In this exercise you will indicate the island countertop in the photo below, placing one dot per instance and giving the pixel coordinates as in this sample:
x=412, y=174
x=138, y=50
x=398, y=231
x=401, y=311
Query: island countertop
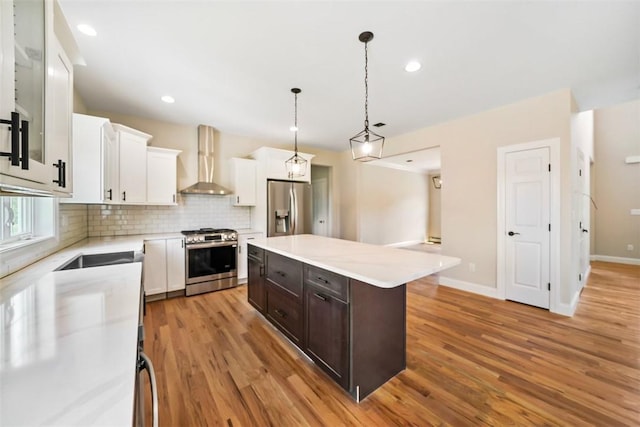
x=381, y=266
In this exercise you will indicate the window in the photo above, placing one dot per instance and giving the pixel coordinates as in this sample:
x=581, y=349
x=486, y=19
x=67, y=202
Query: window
x=25, y=218
x=17, y=218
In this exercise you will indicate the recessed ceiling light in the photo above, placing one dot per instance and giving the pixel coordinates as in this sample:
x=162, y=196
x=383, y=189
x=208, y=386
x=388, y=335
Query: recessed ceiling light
x=412, y=66
x=87, y=29
x=168, y=99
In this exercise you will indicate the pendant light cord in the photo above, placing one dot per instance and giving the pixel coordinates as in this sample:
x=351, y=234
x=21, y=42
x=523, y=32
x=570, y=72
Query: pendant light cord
x=295, y=122
x=366, y=88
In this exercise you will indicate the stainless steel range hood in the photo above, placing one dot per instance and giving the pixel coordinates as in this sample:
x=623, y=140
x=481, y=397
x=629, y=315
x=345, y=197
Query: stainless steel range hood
x=206, y=159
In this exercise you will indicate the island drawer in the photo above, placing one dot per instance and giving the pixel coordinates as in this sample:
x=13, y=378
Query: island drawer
x=255, y=252
x=335, y=284
x=285, y=312
x=285, y=272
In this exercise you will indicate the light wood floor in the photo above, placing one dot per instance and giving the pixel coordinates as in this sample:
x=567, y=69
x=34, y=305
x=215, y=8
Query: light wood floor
x=471, y=361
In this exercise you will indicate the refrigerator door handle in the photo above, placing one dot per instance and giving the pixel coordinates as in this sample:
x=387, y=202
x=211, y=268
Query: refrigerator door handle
x=292, y=211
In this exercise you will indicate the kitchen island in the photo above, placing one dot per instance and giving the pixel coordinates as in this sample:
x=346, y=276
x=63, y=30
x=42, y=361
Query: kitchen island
x=342, y=303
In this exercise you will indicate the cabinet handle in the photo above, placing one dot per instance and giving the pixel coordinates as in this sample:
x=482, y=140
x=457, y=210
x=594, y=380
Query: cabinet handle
x=14, y=127
x=110, y=194
x=124, y=196
x=280, y=313
x=174, y=198
x=24, y=130
x=280, y=273
x=320, y=297
x=59, y=166
x=261, y=270
x=323, y=280
x=64, y=174
x=237, y=199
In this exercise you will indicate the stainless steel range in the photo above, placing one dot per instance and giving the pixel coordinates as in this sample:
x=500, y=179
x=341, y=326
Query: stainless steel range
x=211, y=260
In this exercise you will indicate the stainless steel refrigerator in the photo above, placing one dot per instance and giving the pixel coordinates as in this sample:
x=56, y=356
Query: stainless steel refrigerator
x=289, y=208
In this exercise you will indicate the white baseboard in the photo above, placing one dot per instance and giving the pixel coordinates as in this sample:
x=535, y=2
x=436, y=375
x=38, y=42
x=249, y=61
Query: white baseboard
x=618, y=260
x=469, y=287
x=407, y=243
x=567, y=309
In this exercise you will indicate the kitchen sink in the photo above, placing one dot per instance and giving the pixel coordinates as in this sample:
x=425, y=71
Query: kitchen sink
x=97, y=260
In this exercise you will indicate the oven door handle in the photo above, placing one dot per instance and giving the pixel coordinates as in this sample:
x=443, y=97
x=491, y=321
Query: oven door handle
x=210, y=245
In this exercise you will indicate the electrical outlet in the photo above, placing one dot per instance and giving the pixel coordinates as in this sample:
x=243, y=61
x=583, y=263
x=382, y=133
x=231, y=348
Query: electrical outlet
x=472, y=267
x=629, y=247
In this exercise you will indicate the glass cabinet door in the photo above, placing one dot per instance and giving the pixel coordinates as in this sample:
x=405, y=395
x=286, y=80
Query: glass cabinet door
x=24, y=29
x=30, y=69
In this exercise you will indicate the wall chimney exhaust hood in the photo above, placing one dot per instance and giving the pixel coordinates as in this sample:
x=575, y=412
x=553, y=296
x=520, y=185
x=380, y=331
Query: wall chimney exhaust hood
x=206, y=158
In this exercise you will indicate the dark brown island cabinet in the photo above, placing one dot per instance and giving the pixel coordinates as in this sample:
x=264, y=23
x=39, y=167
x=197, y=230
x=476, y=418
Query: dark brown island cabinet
x=354, y=331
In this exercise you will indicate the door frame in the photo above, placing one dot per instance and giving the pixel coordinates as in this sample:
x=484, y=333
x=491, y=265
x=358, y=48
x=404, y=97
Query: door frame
x=554, y=238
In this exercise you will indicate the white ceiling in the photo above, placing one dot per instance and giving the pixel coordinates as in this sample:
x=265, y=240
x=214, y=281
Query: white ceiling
x=231, y=64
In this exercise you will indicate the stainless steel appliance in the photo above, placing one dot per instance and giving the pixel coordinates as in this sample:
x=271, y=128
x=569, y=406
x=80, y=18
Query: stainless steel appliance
x=143, y=363
x=211, y=260
x=289, y=209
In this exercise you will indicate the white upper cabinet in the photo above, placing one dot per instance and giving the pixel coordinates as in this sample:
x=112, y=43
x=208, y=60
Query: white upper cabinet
x=243, y=173
x=95, y=160
x=114, y=165
x=272, y=163
x=36, y=99
x=59, y=113
x=133, y=164
x=161, y=175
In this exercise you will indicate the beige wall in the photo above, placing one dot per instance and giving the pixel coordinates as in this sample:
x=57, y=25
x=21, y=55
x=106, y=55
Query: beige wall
x=617, y=184
x=469, y=170
x=393, y=205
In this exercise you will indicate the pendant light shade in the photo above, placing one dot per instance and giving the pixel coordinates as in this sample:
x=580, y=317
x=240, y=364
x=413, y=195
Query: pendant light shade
x=366, y=145
x=296, y=165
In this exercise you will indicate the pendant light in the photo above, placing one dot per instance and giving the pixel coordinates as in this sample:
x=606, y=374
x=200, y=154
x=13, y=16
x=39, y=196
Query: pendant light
x=296, y=165
x=366, y=145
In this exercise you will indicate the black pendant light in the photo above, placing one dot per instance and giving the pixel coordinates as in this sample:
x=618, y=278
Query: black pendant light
x=366, y=145
x=296, y=165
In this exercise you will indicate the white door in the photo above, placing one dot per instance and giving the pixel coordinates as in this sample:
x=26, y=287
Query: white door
x=527, y=226
x=584, y=216
x=320, y=188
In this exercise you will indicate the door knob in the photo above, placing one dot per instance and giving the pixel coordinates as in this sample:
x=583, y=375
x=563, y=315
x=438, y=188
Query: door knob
x=584, y=230
x=511, y=233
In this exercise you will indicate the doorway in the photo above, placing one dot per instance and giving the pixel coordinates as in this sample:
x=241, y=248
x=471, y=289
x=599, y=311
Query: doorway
x=527, y=209
x=321, y=189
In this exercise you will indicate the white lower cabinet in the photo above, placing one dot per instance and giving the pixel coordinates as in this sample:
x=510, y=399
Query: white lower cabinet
x=243, y=238
x=164, y=268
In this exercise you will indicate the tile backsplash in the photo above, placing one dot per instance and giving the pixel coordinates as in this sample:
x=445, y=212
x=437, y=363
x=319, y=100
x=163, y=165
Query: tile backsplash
x=193, y=211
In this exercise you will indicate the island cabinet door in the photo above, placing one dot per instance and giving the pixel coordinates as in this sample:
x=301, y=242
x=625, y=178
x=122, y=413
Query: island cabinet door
x=285, y=312
x=256, y=279
x=286, y=273
x=327, y=333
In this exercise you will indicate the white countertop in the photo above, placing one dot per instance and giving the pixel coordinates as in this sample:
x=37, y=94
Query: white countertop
x=68, y=348
x=68, y=342
x=382, y=266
